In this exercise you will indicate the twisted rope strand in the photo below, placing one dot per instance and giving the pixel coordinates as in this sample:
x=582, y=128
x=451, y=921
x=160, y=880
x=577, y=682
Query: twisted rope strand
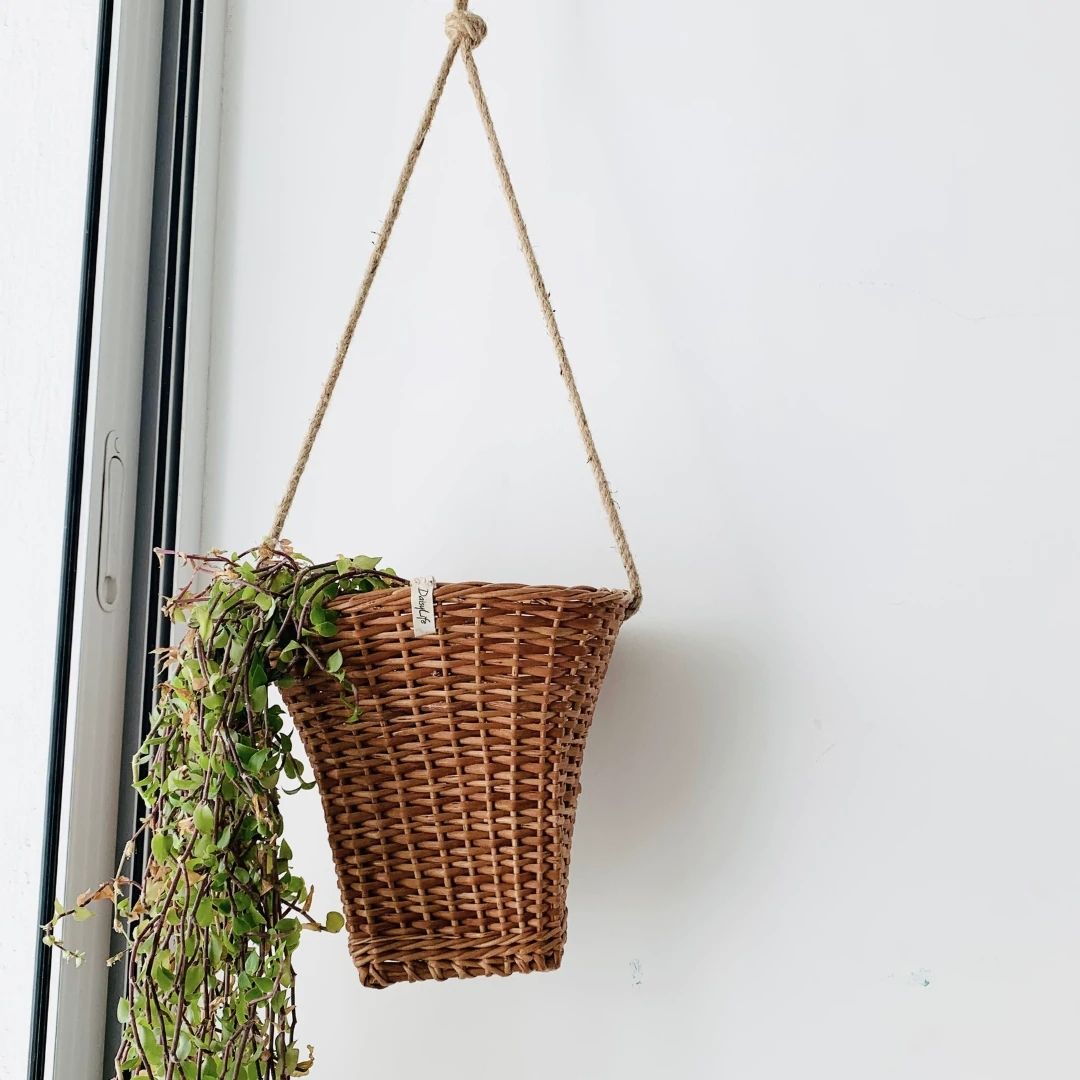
x=565, y=370
x=466, y=32
x=374, y=262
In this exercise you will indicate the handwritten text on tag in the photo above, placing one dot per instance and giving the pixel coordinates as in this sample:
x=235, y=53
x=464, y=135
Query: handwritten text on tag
x=423, y=606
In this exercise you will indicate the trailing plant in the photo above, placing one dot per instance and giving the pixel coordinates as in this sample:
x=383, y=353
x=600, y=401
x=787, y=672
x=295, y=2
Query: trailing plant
x=211, y=928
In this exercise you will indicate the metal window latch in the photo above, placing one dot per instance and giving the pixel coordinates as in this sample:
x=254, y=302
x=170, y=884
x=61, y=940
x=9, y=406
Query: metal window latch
x=112, y=505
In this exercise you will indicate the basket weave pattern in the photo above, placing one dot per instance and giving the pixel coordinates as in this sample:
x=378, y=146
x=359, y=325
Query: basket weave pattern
x=450, y=802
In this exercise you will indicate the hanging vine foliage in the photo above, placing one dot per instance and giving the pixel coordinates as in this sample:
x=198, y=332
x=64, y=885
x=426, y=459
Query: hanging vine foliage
x=211, y=929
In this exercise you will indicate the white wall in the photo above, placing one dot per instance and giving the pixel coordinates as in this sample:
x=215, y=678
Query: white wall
x=47, y=57
x=817, y=266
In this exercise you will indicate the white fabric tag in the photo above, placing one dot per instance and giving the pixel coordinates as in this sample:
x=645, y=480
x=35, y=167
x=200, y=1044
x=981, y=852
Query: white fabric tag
x=423, y=606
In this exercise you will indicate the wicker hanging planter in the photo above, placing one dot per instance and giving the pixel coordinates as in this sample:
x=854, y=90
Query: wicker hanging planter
x=450, y=800
x=450, y=803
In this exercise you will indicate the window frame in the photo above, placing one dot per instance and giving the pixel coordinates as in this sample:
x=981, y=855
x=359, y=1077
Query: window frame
x=139, y=395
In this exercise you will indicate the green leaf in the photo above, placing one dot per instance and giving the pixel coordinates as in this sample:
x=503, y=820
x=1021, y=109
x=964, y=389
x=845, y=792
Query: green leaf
x=161, y=847
x=205, y=913
x=123, y=1010
x=335, y=662
x=183, y=1046
x=204, y=818
x=193, y=979
x=202, y=620
x=257, y=676
x=335, y=922
x=163, y=977
x=366, y=562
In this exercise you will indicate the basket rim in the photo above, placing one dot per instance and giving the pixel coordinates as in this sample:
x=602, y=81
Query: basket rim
x=468, y=590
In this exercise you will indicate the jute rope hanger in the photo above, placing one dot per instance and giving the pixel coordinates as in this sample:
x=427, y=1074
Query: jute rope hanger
x=466, y=31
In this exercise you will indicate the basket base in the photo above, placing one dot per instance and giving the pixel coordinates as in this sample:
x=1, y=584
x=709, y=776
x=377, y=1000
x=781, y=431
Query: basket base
x=383, y=962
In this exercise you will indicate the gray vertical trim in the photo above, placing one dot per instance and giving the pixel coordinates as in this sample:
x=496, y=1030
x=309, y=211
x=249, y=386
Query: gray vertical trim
x=100, y=626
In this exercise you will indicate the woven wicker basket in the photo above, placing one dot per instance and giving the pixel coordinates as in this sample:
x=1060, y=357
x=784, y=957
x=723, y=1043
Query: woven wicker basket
x=450, y=802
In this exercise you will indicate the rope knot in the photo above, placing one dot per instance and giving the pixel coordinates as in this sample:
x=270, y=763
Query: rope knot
x=465, y=29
